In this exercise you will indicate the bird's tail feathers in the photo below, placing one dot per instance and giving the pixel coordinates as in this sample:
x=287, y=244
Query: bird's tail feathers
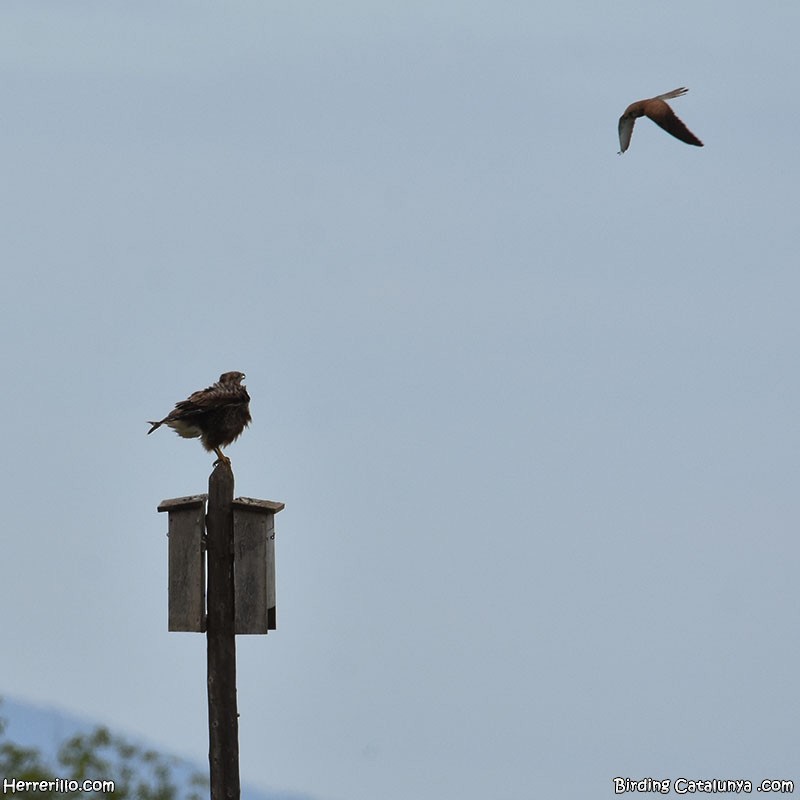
x=673, y=93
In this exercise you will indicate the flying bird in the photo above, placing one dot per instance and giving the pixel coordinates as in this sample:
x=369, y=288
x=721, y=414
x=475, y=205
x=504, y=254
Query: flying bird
x=217, y=414
x=657, y=110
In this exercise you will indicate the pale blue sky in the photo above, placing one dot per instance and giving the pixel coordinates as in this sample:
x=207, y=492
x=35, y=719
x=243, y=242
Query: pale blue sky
x=532, y=406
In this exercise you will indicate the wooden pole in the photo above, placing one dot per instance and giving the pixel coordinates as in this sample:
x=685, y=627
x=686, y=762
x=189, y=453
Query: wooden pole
x=223, y=721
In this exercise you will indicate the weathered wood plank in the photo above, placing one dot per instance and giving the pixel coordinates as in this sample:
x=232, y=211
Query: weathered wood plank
x=250, y=575
x=181, y=502
x=254, y=503
x=187, y=578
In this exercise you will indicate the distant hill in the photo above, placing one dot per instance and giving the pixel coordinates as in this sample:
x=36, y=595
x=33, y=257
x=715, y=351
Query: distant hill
x=46, y=728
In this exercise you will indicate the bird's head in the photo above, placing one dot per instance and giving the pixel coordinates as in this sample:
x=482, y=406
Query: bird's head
x=232, y=377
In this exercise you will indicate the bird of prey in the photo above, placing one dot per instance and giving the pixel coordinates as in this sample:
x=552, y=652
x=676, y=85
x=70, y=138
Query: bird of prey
x=217, y=415
x=660, y=113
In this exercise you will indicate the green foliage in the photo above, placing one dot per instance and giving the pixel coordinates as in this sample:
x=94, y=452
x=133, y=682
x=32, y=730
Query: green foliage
x=136, y=773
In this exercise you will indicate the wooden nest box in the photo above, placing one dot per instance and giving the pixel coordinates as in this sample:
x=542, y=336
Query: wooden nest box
x=253, y=563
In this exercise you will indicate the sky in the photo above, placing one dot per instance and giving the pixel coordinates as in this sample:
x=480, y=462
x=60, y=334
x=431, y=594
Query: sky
x=531, y=405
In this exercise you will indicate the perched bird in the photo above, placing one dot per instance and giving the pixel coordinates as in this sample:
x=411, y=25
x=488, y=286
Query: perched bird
x=660, y=113
x=217, y=415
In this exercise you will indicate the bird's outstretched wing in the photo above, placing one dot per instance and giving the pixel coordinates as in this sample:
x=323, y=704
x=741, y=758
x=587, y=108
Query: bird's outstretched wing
x=625, y=131
x=663, y=116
